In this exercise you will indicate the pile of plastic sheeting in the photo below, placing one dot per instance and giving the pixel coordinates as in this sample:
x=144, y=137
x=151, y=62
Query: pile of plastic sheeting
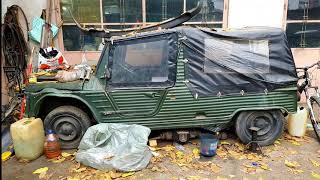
x=115, y=146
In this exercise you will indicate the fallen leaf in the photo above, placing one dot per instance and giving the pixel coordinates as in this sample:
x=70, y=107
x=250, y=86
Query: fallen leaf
x=249, y=169
x=45, y=176
x=157, y=169
x=254, y=157
x=221, y=153
x=194, y=178
x=180, y=154
x=294, y=143
x=42, y=175
x=315, y=163
x=65, y=154
x=292, y=152
x=72, y=178
x=127, y=174
x=315, y=175
x=265, y=167
x=154, y=148
x=78, y=165
x=59, y=160
x=295, y=171
x=80, y=170
x=172, y=155
x=174, y=178
x=168, y=148
x=114, y=174
x=224, y=143
x=156, y=159
x=277, y=142
x=196, y=153
x=215, y=168
x=236, y=155
x=40, y=170
x=107, y=176
x=293, y=164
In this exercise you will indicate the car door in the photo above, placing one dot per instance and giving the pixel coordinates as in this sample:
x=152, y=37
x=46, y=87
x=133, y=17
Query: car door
x=142, y=70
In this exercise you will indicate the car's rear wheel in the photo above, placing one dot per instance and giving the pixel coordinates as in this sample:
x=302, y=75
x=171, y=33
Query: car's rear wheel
x=270, y=124
x=69, y=123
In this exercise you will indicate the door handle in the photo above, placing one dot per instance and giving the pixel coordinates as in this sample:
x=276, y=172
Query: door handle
x=152, y=95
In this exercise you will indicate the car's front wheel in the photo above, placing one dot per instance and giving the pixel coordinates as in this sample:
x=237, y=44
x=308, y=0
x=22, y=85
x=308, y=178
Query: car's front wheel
x=270, y=124
x=69, y=123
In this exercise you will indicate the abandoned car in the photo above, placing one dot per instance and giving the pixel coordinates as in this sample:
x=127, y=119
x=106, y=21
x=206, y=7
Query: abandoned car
x=179, y=78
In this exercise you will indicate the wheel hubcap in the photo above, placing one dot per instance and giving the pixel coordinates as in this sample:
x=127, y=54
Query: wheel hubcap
x=264, y=124
x=67, y=128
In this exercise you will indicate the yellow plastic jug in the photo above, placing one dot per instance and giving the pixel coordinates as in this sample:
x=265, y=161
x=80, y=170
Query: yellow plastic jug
x=297, y=123
x=28, y=138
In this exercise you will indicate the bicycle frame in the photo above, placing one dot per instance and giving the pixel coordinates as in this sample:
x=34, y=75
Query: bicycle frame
x=306, y=86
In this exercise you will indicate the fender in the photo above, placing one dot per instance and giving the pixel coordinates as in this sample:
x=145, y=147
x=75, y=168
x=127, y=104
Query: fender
x=61, y=94
x=259, y=109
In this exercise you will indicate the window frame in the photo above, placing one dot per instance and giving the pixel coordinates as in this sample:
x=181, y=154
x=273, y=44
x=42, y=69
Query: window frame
x=144, y=22
x=171, y=37
x=306, y=21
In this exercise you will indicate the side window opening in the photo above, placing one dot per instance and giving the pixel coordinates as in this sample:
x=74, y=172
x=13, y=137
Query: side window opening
x=142, y=63
x=242, y=56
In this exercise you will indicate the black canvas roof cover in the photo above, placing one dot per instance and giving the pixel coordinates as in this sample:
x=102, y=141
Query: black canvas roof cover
x=250, y=60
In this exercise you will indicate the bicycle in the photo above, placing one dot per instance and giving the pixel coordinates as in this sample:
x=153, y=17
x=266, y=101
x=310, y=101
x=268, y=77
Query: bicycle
x=313, y=101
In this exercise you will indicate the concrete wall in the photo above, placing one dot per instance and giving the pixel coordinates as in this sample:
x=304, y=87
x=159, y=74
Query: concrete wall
x=243, y=13
x=32, y=8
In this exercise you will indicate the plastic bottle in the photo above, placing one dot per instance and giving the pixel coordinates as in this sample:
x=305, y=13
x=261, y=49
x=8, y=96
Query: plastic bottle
x=297, y=123
x=52, y=145
x=28, y=137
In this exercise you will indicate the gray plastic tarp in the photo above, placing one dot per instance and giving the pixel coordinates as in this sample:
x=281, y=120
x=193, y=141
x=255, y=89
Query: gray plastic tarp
x=248, y=60
x=118, y=146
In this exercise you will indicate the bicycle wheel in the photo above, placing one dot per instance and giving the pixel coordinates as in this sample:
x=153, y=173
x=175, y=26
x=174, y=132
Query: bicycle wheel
x=315, y=103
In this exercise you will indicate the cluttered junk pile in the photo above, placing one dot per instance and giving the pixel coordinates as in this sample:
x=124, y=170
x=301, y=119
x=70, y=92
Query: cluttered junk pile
x=19, y=65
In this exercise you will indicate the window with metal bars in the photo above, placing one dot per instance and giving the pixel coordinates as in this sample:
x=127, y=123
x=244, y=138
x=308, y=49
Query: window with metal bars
x=303, y=23
x=121, y=14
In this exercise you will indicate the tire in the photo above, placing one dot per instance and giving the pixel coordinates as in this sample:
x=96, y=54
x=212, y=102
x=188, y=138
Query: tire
x=69, y=123
x=315, y=103
x=271, y=124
